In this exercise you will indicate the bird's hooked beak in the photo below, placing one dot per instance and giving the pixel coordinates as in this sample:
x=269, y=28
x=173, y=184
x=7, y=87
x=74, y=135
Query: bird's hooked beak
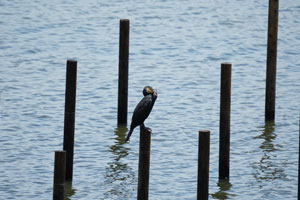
x=150, y=90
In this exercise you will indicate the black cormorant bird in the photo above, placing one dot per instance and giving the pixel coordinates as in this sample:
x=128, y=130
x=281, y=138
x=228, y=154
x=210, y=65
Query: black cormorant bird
x=143, y=109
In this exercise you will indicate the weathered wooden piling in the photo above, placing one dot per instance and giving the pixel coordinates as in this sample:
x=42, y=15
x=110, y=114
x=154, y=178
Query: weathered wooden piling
x=203, y=165
x=59, y=175
x=123, y=71
x=271, y=61
x=224, y=148
x=144, y=164
x=69, y=123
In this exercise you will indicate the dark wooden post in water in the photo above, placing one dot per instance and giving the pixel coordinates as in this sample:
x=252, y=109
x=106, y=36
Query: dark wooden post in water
x=203, y=165
x=271, y=61
x=224, y=148
x=144, y=164
x=123, y=71
x=69, y=125
x=59, y=175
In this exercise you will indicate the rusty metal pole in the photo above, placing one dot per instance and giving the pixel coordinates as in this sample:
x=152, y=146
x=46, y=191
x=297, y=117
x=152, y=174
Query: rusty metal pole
x=271, y=60
x=69, y=123
x=203, y=165
x=123, y=71
x=144, y=164
x=59, y=175
x=224, y=148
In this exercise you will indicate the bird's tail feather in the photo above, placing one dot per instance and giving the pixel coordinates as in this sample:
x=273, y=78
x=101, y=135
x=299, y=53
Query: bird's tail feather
x=129, y=134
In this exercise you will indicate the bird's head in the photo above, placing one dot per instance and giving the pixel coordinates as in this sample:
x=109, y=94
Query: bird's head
x=148, y=90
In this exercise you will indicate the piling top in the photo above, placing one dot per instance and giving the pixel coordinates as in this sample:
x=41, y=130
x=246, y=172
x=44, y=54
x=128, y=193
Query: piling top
x=226, y=63
x=146, y=130
x=204, y=131
x=60, y=151
x=124, y=20
x=72, y=61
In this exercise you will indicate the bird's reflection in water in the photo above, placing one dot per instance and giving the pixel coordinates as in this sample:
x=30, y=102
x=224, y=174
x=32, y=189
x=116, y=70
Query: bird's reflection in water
x=266, y=169
x=224, y=187
x=69, y=190
x=119, y=175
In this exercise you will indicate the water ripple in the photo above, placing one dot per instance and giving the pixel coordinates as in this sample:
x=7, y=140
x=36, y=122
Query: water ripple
x=175, y=46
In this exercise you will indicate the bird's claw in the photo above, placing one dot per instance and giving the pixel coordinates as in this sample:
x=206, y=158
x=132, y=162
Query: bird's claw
x=146, y=128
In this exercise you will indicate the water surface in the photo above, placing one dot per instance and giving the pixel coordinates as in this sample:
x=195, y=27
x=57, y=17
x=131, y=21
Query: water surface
x=176, y=47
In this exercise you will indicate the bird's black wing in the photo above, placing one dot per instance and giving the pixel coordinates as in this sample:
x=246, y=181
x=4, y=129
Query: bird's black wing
x=142, y=111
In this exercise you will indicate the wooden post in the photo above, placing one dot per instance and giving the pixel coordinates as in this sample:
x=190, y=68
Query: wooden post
x=69, y=124
x=144, y=164
x=59, y=175
x=123, y=71
x=271, y=61
x=203, y=165
x=224, y=148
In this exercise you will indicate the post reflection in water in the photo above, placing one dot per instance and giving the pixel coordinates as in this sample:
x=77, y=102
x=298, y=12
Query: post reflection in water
x=119, y=175
x=69, y=190
x=267, y=169
x=224, y=186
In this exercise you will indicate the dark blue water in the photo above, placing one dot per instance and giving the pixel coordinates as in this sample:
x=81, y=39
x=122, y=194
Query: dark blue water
x=176, y=47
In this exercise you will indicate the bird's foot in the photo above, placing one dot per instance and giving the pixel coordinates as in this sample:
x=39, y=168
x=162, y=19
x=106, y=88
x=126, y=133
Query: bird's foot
x=146, y=128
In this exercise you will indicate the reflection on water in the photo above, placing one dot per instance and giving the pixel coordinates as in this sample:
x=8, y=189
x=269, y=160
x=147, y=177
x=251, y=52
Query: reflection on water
x=224, y=186
x=267, y=169
x=69, y=190
x=119, y=175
